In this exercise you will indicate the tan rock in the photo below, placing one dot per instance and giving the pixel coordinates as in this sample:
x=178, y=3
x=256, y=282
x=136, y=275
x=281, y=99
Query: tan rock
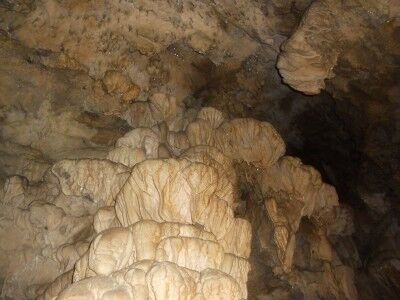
x=96, y=288
x=105, y=218
x=211, y=115
x=251, y=141
x=120, y=85
x=100, y=180
x=127, y=156
x=177, y=142
x=111, y=250
x=190, y=253
x=200, y=132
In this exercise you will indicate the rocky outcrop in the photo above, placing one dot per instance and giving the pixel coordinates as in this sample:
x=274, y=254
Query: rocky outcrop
x=352, y=51
x=166, y=228
x=43, y=232
x=136, y=162
x=325, y=33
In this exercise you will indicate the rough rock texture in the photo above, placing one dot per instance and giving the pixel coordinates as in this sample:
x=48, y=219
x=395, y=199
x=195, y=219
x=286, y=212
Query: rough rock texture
x=140, y=156
x=165, y=229
x=352, y=50
x=325, y=34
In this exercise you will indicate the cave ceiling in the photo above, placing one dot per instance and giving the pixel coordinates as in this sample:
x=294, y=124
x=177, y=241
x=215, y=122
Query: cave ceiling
x=162, y=149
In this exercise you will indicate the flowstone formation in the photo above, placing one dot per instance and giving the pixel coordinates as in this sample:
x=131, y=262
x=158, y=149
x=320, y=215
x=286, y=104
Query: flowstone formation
x=139, y=156
x=156, y=220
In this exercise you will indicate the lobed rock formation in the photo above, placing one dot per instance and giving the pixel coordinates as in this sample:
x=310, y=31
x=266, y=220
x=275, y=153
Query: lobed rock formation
x=326, y=32
x=164, y=228
x=140, y=156
x=351, y=49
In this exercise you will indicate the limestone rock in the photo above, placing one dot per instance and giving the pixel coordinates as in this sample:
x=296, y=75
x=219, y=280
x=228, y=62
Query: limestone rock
x=143, y=138
x=327, y=29
x=110, y=39
x=293, y=191
x=200, y=132
x=127, y=156
x=212, y=115
x=172, y=217
x=177, y=142
x=178, y=191
x=100, y=180
x=139, y=157
x=105, y=218
x=118, y=84
x=35, y=234
x=251, y=141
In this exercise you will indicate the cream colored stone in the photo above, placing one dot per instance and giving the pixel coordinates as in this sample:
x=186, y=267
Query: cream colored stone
x=148, y=204
x=96, y=288
x=190, y=253
x=58, y=285
x=100, y=180
x=213, y=157
x=111, y=250
x=302, y=182
x=168, y=281
x=178, y=142
x=211, y=115
x=118, y=84
x=200, y=132
x=227, y=180
x=172, y=232
x=238, y=268
x=179, y=191
x=293, y=191
x=251, y=141
x=126, y=155
x=156, y=190
x=216, y=285
x=68, y=254
x=105, y=218
x=142, y=138
x=148, y=234
x=165, y=228
x=169, y=110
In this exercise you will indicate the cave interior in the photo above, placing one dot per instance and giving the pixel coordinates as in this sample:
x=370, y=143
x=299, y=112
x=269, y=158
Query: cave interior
x=181, y=149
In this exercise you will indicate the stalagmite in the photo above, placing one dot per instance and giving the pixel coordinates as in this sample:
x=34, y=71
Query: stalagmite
x=156, y=149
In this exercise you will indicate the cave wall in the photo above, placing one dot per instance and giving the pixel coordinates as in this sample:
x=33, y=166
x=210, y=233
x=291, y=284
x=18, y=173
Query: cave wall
x=96, y=94
x=351, y=49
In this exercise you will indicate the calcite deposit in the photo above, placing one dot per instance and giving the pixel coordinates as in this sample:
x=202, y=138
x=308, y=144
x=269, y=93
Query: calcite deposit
x=199, y=149
x=326, y=32
x=162, y=228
